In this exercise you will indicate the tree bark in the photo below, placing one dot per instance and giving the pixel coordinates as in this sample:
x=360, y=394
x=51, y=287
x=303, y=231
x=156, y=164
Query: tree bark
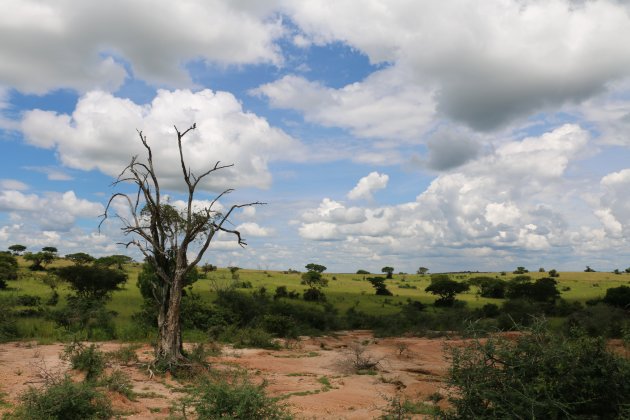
x=169, y=347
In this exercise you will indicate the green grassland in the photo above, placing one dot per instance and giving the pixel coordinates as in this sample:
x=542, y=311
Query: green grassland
x=344, y=291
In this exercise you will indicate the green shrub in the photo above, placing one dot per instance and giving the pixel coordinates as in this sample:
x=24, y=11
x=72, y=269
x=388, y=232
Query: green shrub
x=599, y=321
x=86, y=315
x=28, y=300
x=63, y=399
x=8, y=328
x=120, y=382
x=539, y=375
x=250, y=337
x=234, y=396
x=618, y=296
x=88, y=359
x=125, y=354
x=314, y=295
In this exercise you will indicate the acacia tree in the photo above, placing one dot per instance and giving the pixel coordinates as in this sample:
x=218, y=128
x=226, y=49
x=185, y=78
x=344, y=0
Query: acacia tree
x=163, y=234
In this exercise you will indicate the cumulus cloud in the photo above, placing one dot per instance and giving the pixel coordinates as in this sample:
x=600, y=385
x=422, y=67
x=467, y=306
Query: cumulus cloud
x=614, y=211
x=52, y=211
x=368, y=185
x=383, y=106
x=78, y=45
x=101, y=134
x=502, y=60
x=253, y=229
x=449, y=149
x=492, y=203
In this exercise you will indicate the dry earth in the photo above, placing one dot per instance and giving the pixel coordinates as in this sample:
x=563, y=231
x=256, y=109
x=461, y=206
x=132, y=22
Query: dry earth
x=414, y=367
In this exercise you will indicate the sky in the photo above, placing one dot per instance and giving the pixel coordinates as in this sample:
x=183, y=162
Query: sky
x=454, y=135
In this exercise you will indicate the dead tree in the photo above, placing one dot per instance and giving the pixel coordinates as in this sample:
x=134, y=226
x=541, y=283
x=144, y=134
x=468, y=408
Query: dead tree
x=164, y=234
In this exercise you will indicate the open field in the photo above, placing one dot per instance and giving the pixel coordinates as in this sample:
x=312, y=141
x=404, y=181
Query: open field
x=344, y=291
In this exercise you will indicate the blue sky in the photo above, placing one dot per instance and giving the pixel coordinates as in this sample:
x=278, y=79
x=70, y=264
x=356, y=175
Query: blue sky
x=455, y=135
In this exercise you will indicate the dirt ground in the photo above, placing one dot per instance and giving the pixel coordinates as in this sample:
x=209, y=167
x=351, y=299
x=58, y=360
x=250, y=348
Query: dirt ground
x=313, y=375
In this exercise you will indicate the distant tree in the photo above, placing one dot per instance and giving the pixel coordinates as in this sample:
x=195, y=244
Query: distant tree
x=616, y=271
x=389, y=271
x=422, y=271
x=8, y=269
x=80, y=258
x=92, y=282
x=618, y=296
x=364, y=272
x=520, y=270
x=17, y=249
x=627, y=270
x=318, y=268
x=379, y=284
x=117, y=260
x=207, y=267
x=542, y=290
x=553, y=273
x=234, y=272
x=446, y=289
x=314, y=279
x=541, y=270
x=489, y=287
x=39, y=260
x=588, y=270
x=50, y=249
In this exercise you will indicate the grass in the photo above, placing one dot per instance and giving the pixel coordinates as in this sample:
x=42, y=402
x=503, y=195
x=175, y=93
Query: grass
x=345, y=292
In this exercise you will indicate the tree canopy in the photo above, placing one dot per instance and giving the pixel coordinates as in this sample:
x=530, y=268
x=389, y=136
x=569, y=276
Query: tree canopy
x=318, y=268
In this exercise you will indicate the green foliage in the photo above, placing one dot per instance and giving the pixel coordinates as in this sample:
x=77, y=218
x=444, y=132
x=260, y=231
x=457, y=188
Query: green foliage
x=618, y=296
x=282, y=292
x=422, y=271
x=234, y=396
x=489, y=287
x=314, y=279
x=88, y=315
x=150, y=284
x=363, y=272
x=92, y=282
x=8, y=269
x=379, y=285
x=389, y=271
x=542, y=290
x=17, y=249
x=539, y=375
x=80, y=258
x=553, y=273
x=520, y=270
x=314, y=295
x=588, y=269
x=39, y=260
x=51, y=249
x=599, y=321
x=126, y=354
x=88, y=359
x=446, y=290
x=63, y=399
x=318, y=268
x=8, y=328
x=110, y=260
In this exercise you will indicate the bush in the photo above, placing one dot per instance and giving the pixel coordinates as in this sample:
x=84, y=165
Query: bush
x=234, y=397
x=539, y=375
x=516, y=313
x=314, y=295
x=28, y=300
x=86, y=315
x=92, y=282
x=88, y=359
x=618, y=296
x=63, y=399
x=8, y=328
x=598, y=321
x=8, y=269
x=489, y=287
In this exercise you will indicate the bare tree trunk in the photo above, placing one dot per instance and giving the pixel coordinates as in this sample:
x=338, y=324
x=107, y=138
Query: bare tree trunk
x=169, y=347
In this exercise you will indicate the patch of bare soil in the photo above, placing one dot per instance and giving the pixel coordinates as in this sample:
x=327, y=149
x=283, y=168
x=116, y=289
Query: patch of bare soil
x=316, y=376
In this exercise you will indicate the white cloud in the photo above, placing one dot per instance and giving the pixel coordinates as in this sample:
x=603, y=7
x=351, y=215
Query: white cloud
x=493, y=203
x=368, y=185
x=614, y=211
x=383, y=106
x=101, y=134
x=253, y=229
x=66, y=44
x=12, y=184
x=52, y=211
x=501, y=60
